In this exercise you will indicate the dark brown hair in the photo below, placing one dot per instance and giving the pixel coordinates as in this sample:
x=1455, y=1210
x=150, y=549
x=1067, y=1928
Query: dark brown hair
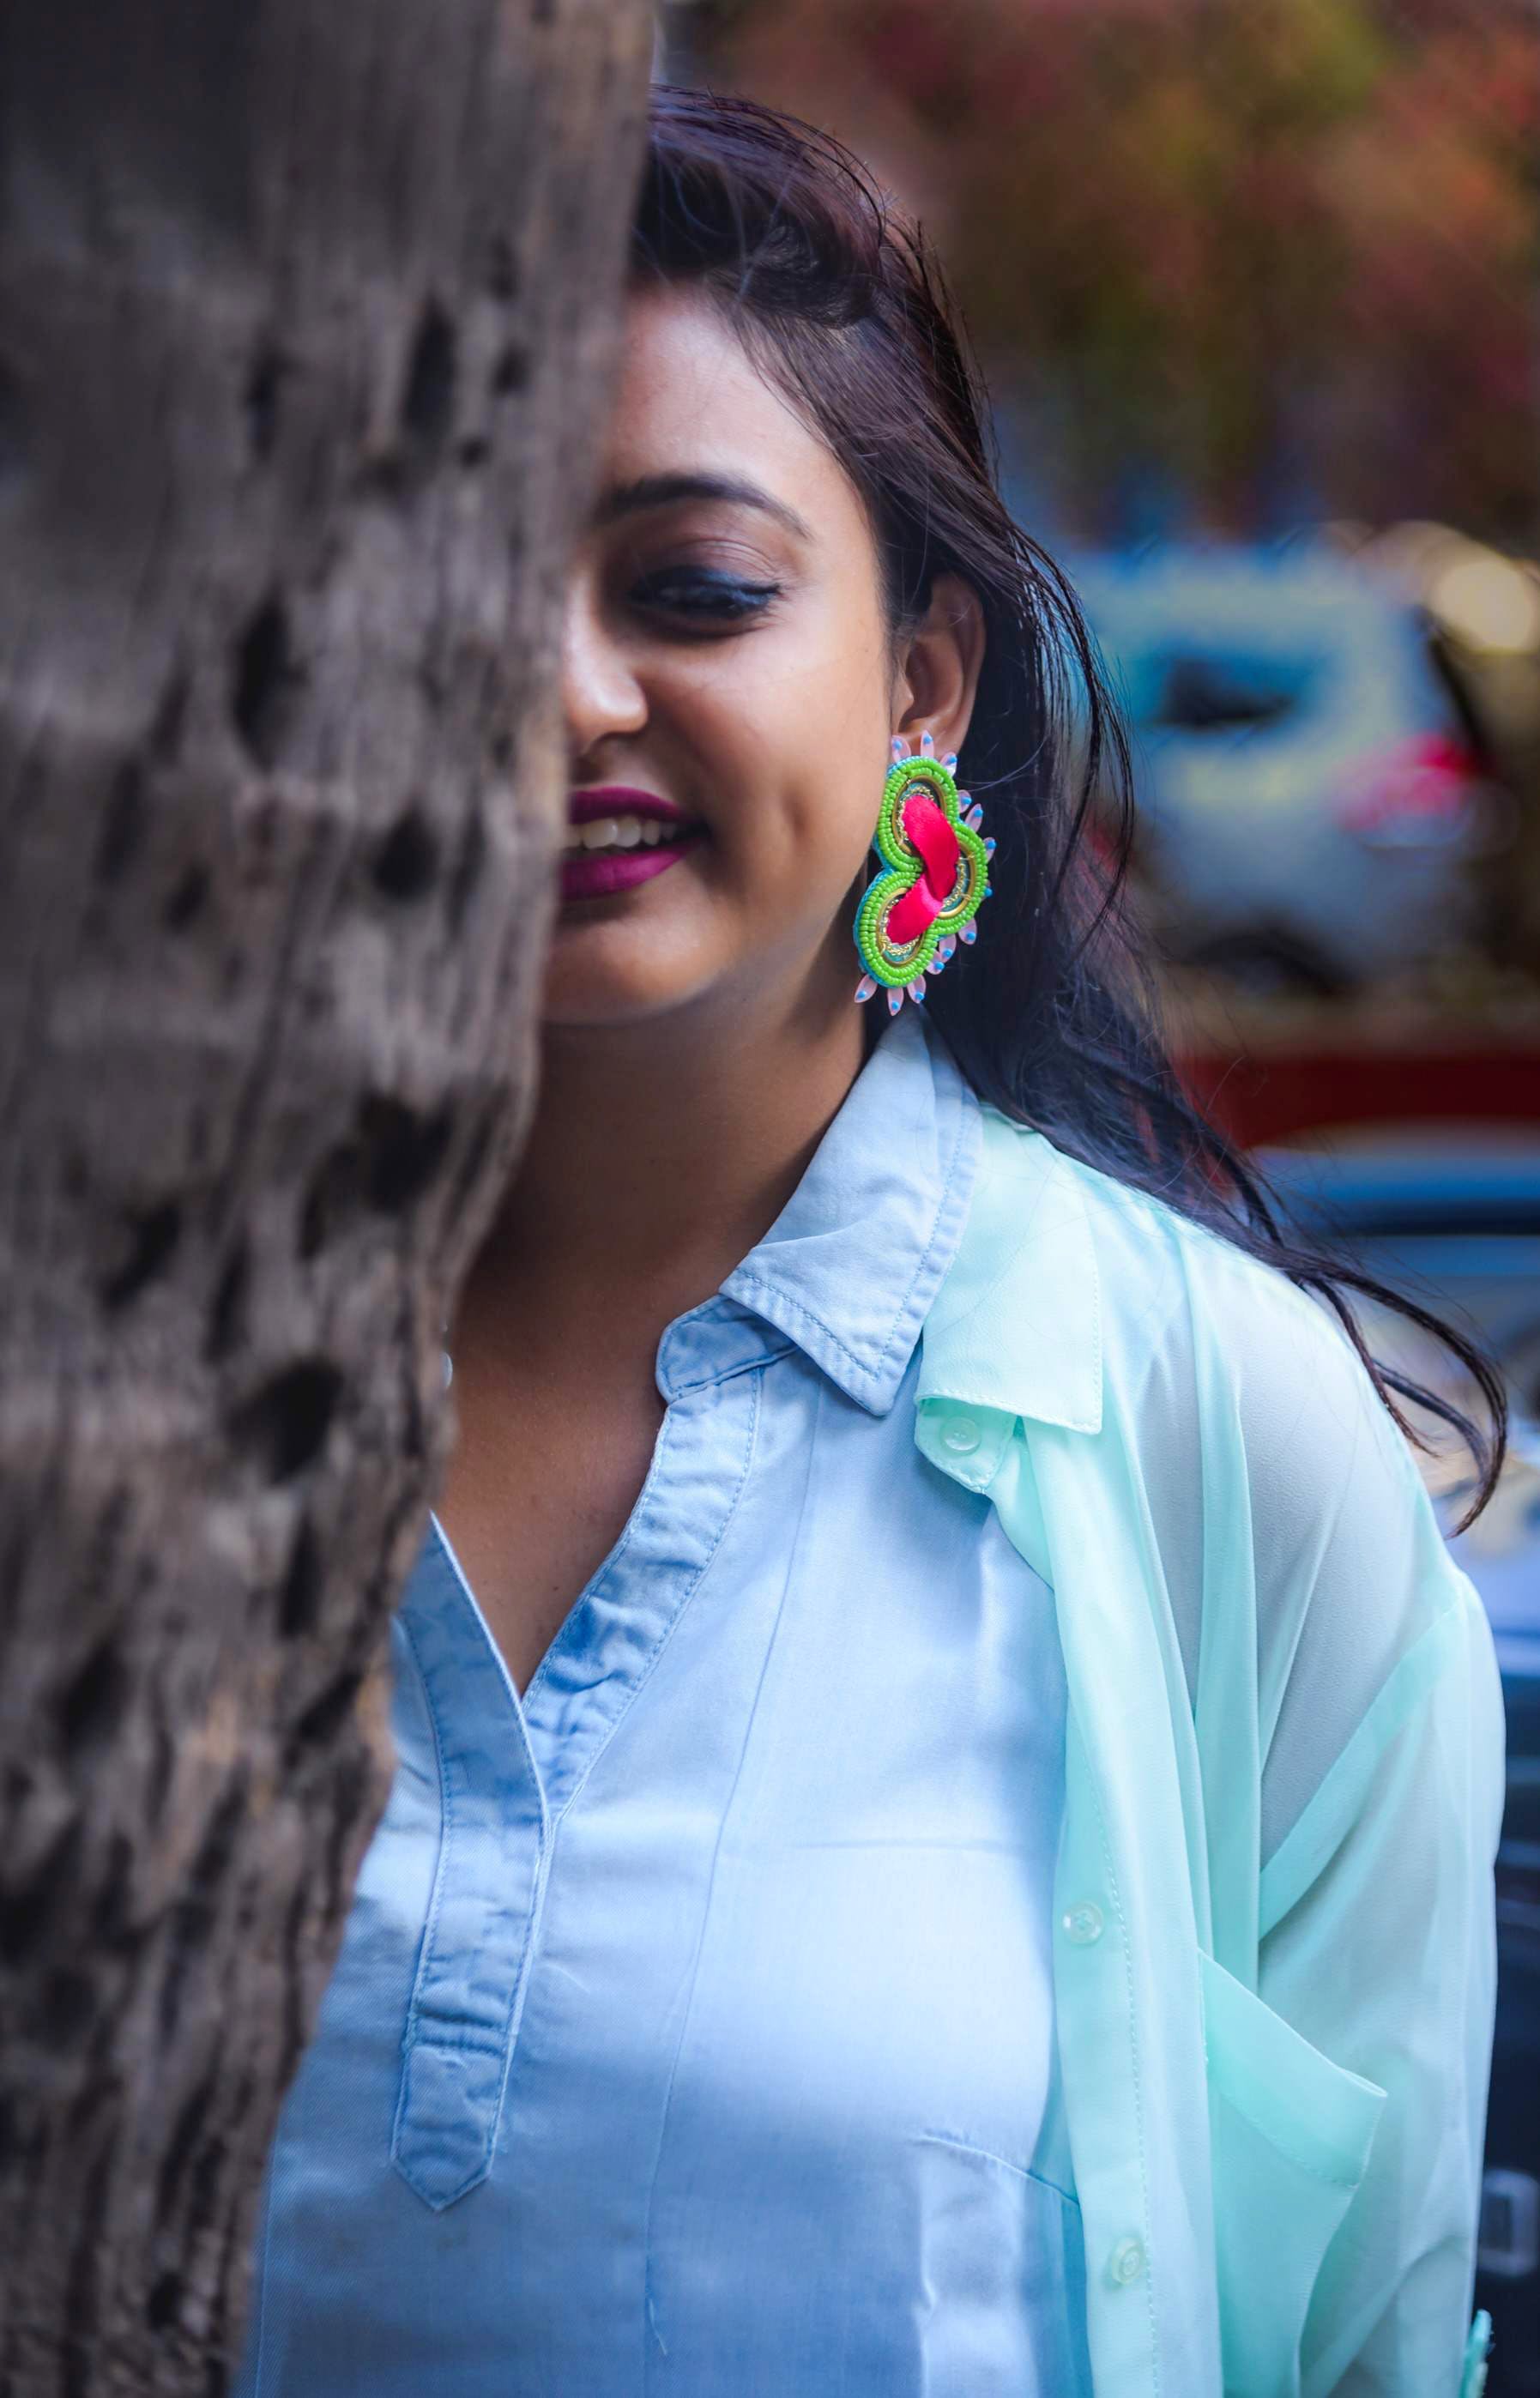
x=1052, y=1019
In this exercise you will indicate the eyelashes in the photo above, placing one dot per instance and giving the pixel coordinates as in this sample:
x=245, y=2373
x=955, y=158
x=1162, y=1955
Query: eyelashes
x=705, y=599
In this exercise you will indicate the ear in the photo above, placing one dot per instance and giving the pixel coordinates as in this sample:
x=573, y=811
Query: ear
x=940, y=665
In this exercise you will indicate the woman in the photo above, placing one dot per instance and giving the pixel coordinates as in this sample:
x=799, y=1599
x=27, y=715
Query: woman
x=948, y=1785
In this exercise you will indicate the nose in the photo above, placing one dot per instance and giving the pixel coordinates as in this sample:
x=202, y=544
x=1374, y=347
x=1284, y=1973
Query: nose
x=602, y=694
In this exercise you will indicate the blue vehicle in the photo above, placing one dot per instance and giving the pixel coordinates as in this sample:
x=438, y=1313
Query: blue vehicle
x=1456, y=1222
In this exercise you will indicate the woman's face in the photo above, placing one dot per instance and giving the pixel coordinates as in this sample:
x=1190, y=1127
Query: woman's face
x=726, y=649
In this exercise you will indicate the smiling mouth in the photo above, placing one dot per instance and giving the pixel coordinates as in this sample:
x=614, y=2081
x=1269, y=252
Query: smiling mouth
x=615, y=836
x=611, y=869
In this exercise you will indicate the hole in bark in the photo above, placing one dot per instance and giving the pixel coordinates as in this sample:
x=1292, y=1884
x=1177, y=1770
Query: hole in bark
x=427, y=402
x=186, y=899
x=66, y=2006
x=512, y=371
x=389, y=1157
x=263, y=386
x=300, y=1600
x=13, y=427
x=467, y=869
x=112, y=1924
x=283, y=1425
x=192, y=1925
x=327, y=1715
x=332, y=1194
x=162, y=1763
x=228, y=1315
x=81, y=2358
x=164, y=2303
x=265, y=680
x=169, y=718
x=502, y=267
x=207, y=2169
x=183, y=2139
x=404, y=1151
x=100, y=1566
x=407, y=865
x=27, y=1907
x=90, y=1707
x=474, y=450
x=152, y=1236
x=122, y=824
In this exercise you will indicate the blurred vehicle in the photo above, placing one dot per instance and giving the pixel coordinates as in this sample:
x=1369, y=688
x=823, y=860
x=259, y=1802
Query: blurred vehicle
x=1454, y=1222
x=1312, y=787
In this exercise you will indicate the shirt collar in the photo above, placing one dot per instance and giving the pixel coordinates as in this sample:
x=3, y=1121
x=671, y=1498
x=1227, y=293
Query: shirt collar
x=1017, y=1323
x=850, y=1267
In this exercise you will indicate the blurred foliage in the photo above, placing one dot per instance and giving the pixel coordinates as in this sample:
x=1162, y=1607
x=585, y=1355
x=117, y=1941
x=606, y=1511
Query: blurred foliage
x=1278, y=254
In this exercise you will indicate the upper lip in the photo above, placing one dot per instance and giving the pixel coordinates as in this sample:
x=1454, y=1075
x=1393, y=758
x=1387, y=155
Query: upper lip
x=620, y=799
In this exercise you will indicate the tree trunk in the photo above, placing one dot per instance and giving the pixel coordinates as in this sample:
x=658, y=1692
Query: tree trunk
x=306, y=308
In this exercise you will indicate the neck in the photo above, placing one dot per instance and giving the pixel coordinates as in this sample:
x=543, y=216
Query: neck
x=658, y=1154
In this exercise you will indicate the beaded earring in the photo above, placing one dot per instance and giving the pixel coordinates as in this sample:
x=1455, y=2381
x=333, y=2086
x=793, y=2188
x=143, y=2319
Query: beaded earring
x=936, y=874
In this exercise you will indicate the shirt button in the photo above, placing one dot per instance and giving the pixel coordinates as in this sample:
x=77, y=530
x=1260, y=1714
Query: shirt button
x=1127, y=2260
x=1083, y=1924
x=962, y=1434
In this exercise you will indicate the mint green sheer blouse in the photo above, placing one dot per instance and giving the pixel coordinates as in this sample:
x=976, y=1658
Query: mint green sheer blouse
x=1274, y=1946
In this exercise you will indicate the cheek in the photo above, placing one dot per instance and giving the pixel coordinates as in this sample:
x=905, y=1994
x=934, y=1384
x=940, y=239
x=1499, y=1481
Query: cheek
x=805, y=722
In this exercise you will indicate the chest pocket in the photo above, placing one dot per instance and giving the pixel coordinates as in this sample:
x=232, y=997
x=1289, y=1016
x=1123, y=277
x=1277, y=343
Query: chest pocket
x=1291, y=2134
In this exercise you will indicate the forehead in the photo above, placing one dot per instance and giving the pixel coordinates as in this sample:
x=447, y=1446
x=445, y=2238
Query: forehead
x=690, y=400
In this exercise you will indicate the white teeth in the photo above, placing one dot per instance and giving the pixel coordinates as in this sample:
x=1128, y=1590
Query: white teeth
x=621, y=833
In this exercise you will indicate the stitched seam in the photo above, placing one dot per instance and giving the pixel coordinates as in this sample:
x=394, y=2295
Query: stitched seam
x=440, y=1869
x=649, y=1664
x=1023, y=2173
x=473, y=2043
x=738, y=1366
x=607, y=1565
x=416, y=2014
x=521, y=1991
x=1116, y=1896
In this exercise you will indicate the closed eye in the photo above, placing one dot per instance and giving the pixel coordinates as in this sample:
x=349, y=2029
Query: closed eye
x=715, y=601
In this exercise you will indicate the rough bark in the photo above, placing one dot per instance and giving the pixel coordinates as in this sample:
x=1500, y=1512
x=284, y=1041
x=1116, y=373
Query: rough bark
x=306, y=308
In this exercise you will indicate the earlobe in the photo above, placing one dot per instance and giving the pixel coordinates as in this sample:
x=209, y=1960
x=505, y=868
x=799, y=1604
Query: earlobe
x=941, y=663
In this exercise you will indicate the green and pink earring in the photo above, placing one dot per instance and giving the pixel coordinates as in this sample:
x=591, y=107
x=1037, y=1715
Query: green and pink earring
x=935, y=875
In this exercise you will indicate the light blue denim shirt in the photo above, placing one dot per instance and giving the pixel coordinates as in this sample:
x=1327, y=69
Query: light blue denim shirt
x=693, y=2030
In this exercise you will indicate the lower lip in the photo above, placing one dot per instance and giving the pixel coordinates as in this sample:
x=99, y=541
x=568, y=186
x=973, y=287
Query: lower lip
x=596, y=876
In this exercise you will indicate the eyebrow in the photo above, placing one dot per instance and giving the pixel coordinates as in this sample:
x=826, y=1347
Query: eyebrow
x=667, y=491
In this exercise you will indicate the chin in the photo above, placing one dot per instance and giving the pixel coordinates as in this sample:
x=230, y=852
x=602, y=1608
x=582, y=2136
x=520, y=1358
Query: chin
x=591, y=998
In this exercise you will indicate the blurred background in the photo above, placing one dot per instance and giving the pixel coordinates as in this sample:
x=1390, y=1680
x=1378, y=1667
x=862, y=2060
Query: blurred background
x=1256, y=288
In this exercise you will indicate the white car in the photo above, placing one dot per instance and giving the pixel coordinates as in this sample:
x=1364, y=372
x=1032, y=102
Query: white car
x=1308, y=797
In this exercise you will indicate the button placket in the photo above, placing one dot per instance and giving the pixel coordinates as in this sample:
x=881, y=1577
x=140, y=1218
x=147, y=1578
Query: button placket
x=485, y=1898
